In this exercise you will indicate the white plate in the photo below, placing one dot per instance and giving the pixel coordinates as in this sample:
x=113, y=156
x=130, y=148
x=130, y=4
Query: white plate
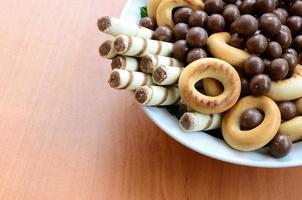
x=203, y=143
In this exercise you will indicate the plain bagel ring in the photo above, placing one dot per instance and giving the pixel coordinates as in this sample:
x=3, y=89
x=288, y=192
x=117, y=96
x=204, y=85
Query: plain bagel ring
x=152, y=7
x=165, y=9
x=219, y=48
x=209, y=68
x=292, y=128
x=250, y=140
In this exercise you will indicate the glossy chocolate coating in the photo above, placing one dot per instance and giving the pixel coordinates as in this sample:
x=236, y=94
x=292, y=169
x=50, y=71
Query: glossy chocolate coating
x=230, y=13
x=163, y=33
x=198, y=18
x=260, y=85
x=296, y=8
x=279, y=69
x=288, y=110
x=270, y=24
x=246, y=25
x=256, y=44
x=250, y=119
x=294, y=23
x=148, y=22
x=265, y=6
x=182, y=15
x=282, y=14
x=292, y=61
x=196, y=54
x=273, y=50
x=180, y=31
x=297, y=43
x=292, y=51
x=244, y=86
x=197, y=37
x=180, y=50
x=247, y=7
x=213, y=6
x=280, y=146
x=284, y=37
x=253, y=66
x=216, y=23
x=237, y=41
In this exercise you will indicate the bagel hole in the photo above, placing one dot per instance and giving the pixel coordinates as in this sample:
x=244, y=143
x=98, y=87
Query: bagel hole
x=200, y=88
x=251, y=118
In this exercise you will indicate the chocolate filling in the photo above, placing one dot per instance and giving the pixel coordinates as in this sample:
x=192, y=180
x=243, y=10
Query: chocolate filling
x=141, y=95
x=159, y=74
x=187, y=122
x=104, y=23
x=105, y=48
x=114, y=80
x=119, y=44
x=118, y=63
x=146, y=63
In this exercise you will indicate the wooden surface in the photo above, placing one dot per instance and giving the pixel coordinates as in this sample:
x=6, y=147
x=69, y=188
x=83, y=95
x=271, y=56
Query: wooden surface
x=66, y=135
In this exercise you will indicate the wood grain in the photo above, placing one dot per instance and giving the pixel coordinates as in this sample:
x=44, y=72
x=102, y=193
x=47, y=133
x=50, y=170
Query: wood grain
x=66, y=135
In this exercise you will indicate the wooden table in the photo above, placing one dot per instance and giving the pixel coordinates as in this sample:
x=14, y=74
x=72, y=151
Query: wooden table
x=66, y=135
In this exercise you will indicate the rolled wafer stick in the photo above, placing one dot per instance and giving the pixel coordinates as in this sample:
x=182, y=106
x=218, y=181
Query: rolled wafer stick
x=292, y=128
x=157, y=95
x=106, y=49
x=115, y=26
x=125, y=62
x=212, y=87
x=130, y=80
x=134, y=46
x=194, y=121
x=299, y=106
x=166, y=75
x=149, y=62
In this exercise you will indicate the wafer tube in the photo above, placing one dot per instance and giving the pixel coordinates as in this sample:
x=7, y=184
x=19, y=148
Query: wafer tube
x=157, y=95
x=106, y=49
x=130, y=80
x=166, y=75
x=135, y=46
x=299, y=106
x=149, y=62
x=115, y=26
x=125, y=62
x=194, y=121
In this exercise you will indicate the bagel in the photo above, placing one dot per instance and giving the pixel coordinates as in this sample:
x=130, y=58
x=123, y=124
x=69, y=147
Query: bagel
x=152, y=7
x=209, y=68
x=292, y=128
x=165, y=9
x=250, y=140
x=219, y=48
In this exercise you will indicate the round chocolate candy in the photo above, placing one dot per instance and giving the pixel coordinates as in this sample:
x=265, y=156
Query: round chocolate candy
x=296, y=8
x=265, y=6
x=213, y=6
x=270, y=24
x=148, y=22
x=237, y=41
x=247, y=7
x=230, y=1
x=288, y=110
x=253, y=66
x=284, y=37
x=230, y=13
x=238, y=3
x=250, y=119
x=182, y=15
x=297, y=43
x=246, y=25
x=292, y=61
x=273, y=50
x=260, y=85
x=196, y=54
x=267, y=64
x=216, y=23
x=197, y=37
x=244, y=86
x=163, y=33
x=294, y=23
x=180, y=50
x=278, y=69
x=282, y=14
x=256, y=44
x=180, y=31
x=198, y=18
x=292, y=51
x=280, y=146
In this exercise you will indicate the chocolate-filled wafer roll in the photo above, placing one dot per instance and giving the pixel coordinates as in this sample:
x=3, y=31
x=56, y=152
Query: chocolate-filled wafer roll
x=194, y=121
x=149, y=62
x=130, y=80
x=299, y=106
x=106, y=49
x=166, y=75
x=115, y=26
x=125, y=62
x=135, y=46
x=157, y=95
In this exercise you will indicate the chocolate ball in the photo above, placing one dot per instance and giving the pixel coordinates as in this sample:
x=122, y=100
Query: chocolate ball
x=196, y=54
x=148, y=22
x=230, y=13
x=180, y=31
x=265, y=6
x=292, y=51
x=182, y=15
x=292, y=61
x=180, y=50
x=253, y=66
x=213, y=6
x=273, y=50
x=216, y=23
x=296, y=8
x=250, y=119
x=280, y=146
x=238, y=3
x=237, y=41
x=282, y=14
x=267, y=64
x=294, y=23
x=230, y=1
x=256, y=44
x=163, y=33
x=284, y=37
x=270, y=24
x=197, y=37
x=247, y=7
x=198, y=18
x=246, y=25
x=244, y=86
x=278, y=69
x=297, y=43
x=288, y=110
x=260, y=85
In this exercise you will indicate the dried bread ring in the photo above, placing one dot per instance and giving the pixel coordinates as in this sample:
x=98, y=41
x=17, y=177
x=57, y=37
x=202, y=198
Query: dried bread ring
x=292, y=128
x=219, y=48
x=152, y=7
x=250, y=140
x=210, y=68
x=165, y=8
